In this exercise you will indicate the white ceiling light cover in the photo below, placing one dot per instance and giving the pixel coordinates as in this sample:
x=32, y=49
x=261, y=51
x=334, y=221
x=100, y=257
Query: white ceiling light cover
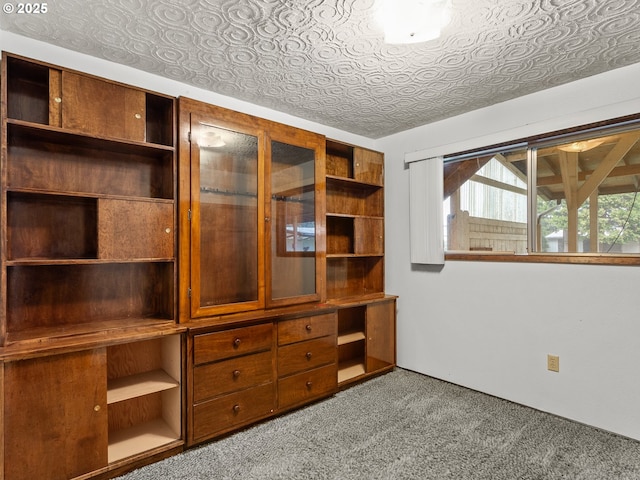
x=414, y=21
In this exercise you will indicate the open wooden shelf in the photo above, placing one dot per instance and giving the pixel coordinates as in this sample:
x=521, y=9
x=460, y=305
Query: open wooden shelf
x=140, y=438
x=350, y=370
x=34, y=262
x=350, y=215
x=350, y=337
x=354, y=222
x=350, y=163
x=44, y=191
x=351, y=276
x=354, y=198
x=354, y=255
x=121, y=389
x=143, y=395
x=352, y=183
x=80, y=139
x=52, y=159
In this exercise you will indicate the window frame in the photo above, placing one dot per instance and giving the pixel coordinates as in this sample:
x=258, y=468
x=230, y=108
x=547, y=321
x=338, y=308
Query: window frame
x=532, y=144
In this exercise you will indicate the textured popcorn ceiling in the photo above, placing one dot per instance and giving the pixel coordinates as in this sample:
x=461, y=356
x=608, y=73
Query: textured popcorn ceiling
x=325, y=60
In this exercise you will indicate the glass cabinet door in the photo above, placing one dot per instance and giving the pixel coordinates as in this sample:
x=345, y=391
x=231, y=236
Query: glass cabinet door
x=227, y=261
x=293, y=223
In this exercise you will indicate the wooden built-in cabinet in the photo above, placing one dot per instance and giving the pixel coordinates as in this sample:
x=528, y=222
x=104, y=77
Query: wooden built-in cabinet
x=355, y=222
x=252, y=213
x=241, y=373
x=49, y=95
x=55, y=416
x=306, y=359
x=90, y=347
x=88, y=213
x=355, y=262
x=232, y=379
x=110, y=355
x=366, y=339
x=71, y=414
x=144, y=395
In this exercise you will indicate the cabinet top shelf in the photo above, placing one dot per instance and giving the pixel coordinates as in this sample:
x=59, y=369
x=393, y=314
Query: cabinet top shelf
x=80, y=139
x=350, y=215
x=35, y=262
x=67, y=193
x=45, y=341
x=354, y=255
x=350, y=182
x=358, y=300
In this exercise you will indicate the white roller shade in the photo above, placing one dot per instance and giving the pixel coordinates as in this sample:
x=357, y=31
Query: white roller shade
x=425, y=204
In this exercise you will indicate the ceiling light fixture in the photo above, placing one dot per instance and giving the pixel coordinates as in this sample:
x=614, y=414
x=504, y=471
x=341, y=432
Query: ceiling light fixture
x=413, y=21
x=582, y=146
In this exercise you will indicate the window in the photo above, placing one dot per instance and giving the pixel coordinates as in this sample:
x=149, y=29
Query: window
x=485, y=207
x=578, y=196
x=586, y=195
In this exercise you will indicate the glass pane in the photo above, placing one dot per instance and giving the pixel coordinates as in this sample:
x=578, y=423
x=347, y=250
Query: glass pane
x=228, y=216
x=485, y=205
x=586, y=195
x=293, y=233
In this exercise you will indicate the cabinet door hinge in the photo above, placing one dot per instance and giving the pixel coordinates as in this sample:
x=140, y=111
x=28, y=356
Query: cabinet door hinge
x=189, y=137
x=189, y=292
x=189, y=214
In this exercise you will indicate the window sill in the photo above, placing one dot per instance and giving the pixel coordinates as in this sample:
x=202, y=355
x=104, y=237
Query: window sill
x=570, y=258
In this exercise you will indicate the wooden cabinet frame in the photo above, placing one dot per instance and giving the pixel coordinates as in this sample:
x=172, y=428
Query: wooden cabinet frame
x=114, y=213
x=355, y=222
x=192, y=113
x=92, y=357
x=190, y=236
x=88, y=207
x=311, y=141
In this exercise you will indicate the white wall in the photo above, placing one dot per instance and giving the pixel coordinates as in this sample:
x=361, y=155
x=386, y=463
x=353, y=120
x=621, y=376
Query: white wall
x=27, y=47
x=489, y=326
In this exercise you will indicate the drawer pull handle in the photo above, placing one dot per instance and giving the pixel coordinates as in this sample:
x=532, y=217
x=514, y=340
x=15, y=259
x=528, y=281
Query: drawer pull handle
x=236, y=408
x=308, y=355
x=308, y=327
x=237, y=342
x=309, y=384
x=236, y=373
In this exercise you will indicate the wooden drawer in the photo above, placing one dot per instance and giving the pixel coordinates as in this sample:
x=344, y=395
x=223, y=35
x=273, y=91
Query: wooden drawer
x=306, y=328
x=307, y=386
x=306, y=355
x=231, y=375
x=233, y=410
x=208, y=347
